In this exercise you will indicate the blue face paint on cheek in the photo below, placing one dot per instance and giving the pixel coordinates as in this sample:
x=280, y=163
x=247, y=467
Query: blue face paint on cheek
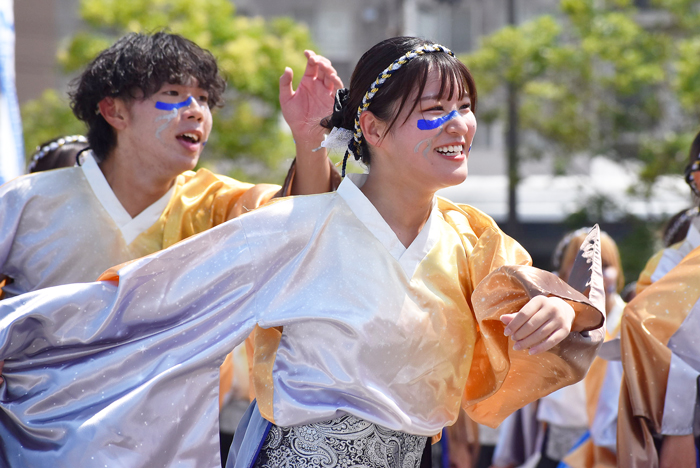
x=169, y=107
x=435, y=123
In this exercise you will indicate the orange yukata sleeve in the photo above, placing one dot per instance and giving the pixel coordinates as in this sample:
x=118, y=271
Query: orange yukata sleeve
x=644, y=280
x=501, y=281
x=204, y=200
x=648, y=323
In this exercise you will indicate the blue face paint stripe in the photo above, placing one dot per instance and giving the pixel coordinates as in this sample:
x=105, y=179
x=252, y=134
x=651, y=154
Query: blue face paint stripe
x=435, y=123
x=168, y=107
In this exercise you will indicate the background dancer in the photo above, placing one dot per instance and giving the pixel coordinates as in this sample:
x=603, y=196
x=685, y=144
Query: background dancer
x=658, y=423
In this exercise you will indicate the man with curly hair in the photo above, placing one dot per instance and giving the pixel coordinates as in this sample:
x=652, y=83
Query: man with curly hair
x=146, y=101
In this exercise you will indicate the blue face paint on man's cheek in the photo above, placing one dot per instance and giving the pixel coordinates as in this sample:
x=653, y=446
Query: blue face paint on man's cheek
x=435, y=123
x=169, y=107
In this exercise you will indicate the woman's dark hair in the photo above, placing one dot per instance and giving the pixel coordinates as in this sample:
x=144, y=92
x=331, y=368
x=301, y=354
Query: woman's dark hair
x=695, y=149
x=136, y=67
x=676, y=228
x=57, y=152
x=693, y=166
x=411, y=77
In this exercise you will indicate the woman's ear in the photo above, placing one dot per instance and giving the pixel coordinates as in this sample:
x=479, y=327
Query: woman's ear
x=113, y=110
x=373, y=129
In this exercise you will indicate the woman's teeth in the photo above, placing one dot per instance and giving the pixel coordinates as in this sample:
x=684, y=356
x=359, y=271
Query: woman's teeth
x=451, y=150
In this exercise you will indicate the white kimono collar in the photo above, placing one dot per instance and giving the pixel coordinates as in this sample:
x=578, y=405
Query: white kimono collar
x=693, y=236
x=364, y=210
x=130, y=227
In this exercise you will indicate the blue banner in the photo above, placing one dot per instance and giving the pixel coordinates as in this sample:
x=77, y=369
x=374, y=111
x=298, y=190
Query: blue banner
x=11, y=144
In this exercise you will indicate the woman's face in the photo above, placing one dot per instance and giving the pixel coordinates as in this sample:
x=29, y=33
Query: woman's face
x=431, y=143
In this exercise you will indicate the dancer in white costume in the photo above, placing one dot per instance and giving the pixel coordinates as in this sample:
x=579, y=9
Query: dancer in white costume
x=379, y=310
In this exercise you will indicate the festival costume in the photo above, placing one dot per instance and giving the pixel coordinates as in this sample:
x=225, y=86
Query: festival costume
x=660, y=353
x=67, y=226
x=369, y=328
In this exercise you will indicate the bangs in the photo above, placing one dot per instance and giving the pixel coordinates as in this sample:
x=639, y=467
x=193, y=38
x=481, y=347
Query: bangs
x=455, y=79
x=145, y=63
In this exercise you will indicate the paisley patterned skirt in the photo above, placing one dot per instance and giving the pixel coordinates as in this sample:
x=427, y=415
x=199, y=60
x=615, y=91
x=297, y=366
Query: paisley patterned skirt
x=347, y=442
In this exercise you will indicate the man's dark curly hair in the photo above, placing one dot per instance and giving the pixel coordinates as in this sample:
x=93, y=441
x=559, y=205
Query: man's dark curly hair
x=136, y=67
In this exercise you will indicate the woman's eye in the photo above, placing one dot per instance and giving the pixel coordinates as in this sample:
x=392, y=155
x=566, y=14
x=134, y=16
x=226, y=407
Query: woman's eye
x=204, y=99
x=171, y=92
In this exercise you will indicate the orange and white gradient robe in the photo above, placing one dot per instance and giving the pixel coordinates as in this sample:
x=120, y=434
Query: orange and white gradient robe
x=351, y=322
x=661, y=353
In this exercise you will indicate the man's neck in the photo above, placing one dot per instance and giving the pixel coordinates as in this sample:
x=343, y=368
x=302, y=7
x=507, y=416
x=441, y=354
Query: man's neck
x=136, y=188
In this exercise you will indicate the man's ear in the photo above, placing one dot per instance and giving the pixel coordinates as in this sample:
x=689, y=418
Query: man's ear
x=373, y=129
x=114, y=112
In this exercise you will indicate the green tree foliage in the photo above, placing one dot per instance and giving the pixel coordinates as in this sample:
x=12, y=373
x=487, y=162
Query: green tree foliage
x=601, y=78
x=247, y=140
x=48, y=113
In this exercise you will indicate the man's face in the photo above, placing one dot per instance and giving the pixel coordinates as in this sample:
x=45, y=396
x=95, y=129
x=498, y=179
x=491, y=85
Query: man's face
x=170, y=128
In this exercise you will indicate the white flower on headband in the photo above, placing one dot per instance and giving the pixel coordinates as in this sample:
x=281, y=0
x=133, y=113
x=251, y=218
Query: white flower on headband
x=339, y=138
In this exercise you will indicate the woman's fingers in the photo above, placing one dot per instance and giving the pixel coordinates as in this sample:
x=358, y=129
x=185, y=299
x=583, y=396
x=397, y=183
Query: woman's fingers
x=311, y=69
x=541, y=324
x=551, y=341
x=286, y=90
x=320, y=68
x=524, y=315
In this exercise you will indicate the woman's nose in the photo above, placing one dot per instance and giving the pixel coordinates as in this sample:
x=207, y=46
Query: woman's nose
x=459, y=124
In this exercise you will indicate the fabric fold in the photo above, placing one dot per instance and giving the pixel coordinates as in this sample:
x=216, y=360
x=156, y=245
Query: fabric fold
x=494, y=388
x=649, y=324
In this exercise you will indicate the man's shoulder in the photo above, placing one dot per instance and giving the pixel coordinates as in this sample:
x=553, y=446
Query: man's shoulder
x=40, y=183
x=205, y=177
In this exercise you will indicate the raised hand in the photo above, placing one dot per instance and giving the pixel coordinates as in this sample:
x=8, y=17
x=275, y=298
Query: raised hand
x=313, y=99
x=541, y=324
x=303, y=110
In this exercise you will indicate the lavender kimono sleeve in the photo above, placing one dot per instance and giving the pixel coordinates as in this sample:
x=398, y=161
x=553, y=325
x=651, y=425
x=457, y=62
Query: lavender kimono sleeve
x=126, y=370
